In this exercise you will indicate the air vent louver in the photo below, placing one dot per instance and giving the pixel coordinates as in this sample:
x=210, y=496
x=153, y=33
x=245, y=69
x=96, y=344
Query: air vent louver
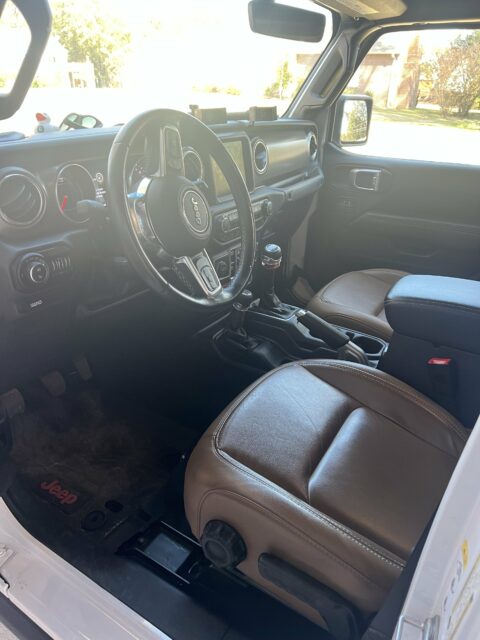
x=22, y=201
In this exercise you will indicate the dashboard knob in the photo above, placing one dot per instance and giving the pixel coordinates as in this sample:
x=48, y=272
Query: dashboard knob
x=267, y=208
x=33, y=271
x=38, y=272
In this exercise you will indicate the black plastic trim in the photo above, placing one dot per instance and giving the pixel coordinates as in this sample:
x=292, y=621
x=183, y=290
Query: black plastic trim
x=19, y=623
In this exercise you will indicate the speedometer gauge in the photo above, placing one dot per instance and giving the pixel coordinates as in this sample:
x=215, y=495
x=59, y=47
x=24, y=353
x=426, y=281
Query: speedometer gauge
x=74, y=183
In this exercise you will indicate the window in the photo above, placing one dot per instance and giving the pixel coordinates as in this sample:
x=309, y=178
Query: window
x=425, y=87
x=115, y=58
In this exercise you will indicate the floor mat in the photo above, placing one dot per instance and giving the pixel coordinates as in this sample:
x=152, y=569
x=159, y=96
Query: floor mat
x=99, y=462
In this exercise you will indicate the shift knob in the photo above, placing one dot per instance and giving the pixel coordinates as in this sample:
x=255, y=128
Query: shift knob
x=271, y=257
x=244, y=300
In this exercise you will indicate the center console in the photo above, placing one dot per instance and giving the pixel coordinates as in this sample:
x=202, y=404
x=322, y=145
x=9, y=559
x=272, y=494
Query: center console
x=436, y=342
x=226, y=229
x=435, y=346
x=264, y=333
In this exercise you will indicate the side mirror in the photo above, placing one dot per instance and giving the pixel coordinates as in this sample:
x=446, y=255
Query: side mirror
x=282, y=21
x=352, y=120
x=39, y=19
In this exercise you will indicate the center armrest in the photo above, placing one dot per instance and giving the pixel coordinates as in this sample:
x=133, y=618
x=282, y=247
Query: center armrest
x=444, y=311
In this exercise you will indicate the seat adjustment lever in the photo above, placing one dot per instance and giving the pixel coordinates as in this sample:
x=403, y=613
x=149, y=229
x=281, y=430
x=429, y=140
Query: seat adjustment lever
x=342, y=619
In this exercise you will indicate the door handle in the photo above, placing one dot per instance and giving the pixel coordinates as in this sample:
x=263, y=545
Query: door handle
x=366, y=179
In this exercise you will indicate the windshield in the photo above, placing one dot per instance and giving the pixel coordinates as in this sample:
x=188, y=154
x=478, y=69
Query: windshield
x=115, y=58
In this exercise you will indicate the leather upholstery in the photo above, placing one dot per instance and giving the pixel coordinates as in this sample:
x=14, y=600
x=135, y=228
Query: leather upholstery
x=331, y=466
x=438, y=309
x=356, y=300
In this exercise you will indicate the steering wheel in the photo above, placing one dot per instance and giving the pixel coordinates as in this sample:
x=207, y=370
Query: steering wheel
x=166, y=224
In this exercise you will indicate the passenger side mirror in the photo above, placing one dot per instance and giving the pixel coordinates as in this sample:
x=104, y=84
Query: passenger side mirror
x=282, y=21
x=352, y=120
x=38, y=18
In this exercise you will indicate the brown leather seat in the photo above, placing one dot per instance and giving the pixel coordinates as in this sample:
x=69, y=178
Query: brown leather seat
x=333, y=467
x=356, y=300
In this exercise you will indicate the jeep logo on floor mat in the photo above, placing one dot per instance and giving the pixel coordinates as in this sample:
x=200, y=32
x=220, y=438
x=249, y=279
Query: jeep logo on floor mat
x=60, y=494
x=55, y=489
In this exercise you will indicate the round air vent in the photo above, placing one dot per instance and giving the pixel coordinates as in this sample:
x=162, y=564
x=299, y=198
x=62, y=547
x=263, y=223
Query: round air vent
x=312, y=145
x=260, y=156
x=22, y=198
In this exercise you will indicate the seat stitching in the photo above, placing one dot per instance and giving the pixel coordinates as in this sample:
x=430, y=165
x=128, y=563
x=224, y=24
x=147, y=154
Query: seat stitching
x=373, y=273
x=216, y=437
x=324, y=289
x=305, y=507
x=287, y=525
x=399, y=425
x=311, y=464
x=444, y=419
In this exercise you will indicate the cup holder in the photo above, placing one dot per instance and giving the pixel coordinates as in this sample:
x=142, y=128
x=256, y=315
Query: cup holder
x=371, y=346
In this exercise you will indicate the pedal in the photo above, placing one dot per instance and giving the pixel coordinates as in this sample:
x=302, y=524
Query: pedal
x=54, y=383
x=83, y=368
x=12, y=403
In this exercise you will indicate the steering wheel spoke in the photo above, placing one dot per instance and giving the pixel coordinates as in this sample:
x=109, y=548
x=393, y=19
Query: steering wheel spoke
x=164, y=153
x=199, y=273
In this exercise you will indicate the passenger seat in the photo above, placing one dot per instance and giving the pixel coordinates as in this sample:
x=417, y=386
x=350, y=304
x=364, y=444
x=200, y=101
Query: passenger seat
x=356, y=300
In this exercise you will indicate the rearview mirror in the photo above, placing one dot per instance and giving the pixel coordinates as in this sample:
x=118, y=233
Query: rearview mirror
x=352, y=120
x=282, y=21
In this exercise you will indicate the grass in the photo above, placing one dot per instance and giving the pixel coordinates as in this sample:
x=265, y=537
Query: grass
x=427, y=117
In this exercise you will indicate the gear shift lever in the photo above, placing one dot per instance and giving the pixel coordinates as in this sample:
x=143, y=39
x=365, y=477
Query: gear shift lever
x=240, y=308
x=271, y=262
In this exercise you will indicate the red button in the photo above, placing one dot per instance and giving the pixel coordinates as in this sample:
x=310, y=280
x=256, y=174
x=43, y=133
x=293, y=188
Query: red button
x=440, y=361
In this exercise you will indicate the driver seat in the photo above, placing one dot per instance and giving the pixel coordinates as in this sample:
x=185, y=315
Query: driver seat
x=331, y=469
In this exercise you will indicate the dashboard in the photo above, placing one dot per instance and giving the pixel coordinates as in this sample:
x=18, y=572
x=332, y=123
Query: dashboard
x=54, y=253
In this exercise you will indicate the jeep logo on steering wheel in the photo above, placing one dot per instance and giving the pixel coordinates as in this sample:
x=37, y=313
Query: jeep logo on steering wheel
x=195, y=211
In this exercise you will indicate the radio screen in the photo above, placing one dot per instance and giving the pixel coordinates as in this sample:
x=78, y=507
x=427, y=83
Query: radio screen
x=235, y=149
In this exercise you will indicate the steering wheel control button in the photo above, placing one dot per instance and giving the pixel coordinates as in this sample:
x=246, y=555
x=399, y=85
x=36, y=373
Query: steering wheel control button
x=195, y=211
x=209, y=277
x=207, y=272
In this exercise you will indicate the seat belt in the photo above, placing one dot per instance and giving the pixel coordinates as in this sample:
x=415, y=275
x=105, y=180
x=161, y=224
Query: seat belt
x=382, y=627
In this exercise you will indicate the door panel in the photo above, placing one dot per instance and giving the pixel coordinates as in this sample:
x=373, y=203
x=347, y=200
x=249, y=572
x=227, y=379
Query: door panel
x=422, y=217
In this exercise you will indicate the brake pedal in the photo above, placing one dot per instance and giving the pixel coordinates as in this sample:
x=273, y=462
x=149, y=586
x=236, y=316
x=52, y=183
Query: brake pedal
x=83, y=368
x=12, y=403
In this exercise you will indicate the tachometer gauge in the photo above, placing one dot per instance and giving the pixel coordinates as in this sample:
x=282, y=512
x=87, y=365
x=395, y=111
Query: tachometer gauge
x=74, y=183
